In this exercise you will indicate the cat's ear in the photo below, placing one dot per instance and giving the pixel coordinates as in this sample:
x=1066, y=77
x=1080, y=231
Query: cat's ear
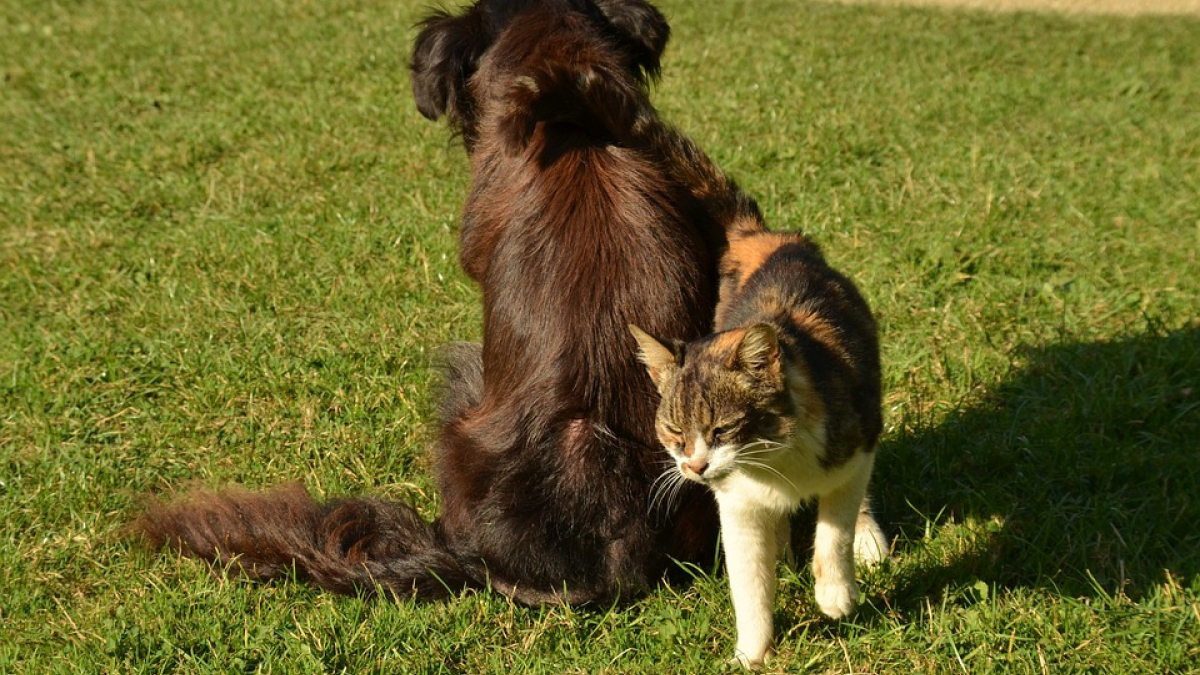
x=759, y=350
x=659, y=359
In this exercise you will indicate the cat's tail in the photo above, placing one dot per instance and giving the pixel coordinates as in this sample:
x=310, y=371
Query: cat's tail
x=357, y=546
x=574, y=90
x=354, y=545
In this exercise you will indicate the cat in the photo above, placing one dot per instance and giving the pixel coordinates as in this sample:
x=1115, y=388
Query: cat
x=780, y=405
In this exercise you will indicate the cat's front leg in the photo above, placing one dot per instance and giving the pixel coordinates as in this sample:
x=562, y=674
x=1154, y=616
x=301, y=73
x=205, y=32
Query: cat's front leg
x=833, y=548
x=749, y=537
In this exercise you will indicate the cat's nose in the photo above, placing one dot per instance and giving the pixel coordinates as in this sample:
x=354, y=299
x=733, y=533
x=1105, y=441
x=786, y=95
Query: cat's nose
x=697, y=466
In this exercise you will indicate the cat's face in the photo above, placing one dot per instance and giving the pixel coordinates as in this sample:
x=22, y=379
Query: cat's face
x=724, y=403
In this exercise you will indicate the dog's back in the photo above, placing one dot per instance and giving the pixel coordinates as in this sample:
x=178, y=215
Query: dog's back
x=584, y=215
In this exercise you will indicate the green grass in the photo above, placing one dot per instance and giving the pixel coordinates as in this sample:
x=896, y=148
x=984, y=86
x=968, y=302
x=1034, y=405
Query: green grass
x=227, y=252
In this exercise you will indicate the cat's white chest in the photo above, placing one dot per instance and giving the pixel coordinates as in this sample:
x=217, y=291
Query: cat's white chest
x=785, y=478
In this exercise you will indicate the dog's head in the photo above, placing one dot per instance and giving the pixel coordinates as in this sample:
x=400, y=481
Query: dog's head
x=451, y=48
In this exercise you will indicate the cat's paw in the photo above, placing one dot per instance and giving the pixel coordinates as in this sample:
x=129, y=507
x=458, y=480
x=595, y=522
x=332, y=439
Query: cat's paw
x=870, y=545
x=837, y=600
x=751, y=662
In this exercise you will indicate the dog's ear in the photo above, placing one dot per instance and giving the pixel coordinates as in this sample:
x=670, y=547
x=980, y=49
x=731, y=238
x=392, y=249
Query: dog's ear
x=643, y=25
x=446, y=53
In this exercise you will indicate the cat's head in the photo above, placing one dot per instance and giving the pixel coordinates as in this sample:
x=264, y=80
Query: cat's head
x=724, y=400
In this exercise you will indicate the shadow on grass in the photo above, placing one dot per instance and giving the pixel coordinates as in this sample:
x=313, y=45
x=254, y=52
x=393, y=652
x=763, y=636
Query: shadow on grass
x=1080, y=473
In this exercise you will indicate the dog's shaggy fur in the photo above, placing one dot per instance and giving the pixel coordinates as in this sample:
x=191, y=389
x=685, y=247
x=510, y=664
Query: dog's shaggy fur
x=586, y=213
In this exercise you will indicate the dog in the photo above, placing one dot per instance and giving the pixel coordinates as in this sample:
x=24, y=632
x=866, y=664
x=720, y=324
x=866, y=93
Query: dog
x=586, y=213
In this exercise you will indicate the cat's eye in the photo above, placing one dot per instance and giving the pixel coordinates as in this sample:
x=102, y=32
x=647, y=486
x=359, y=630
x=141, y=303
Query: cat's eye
x=672, y=429
x=724, y=430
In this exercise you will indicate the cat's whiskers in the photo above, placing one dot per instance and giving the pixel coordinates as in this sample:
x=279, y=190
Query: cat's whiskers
x=759, y=448
x=766, y=467
x=753, y=451
x=659, y=485
x=666, y=488
x=670, y=498
x=661, y=482
x=680, y=485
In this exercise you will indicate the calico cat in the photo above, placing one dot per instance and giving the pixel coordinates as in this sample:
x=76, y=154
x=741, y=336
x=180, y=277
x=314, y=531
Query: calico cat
x=779, y=406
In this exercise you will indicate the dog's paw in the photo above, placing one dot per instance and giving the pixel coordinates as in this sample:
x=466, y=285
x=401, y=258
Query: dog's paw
x=837, y=600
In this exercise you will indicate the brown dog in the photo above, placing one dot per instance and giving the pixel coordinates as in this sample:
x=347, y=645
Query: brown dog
x=586, y=213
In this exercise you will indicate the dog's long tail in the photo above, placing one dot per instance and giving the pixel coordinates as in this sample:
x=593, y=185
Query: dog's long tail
x=356, y=545
x=595, y=96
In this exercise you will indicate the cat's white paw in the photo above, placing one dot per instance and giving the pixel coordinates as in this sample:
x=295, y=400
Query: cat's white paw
x=837, y=600
x=751, y=662
x=870, y=545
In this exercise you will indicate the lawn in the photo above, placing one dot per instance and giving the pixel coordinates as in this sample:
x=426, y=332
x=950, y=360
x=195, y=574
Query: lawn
x=228, y=255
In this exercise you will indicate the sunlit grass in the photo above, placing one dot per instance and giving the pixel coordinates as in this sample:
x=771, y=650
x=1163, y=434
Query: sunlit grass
x=228, y=250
